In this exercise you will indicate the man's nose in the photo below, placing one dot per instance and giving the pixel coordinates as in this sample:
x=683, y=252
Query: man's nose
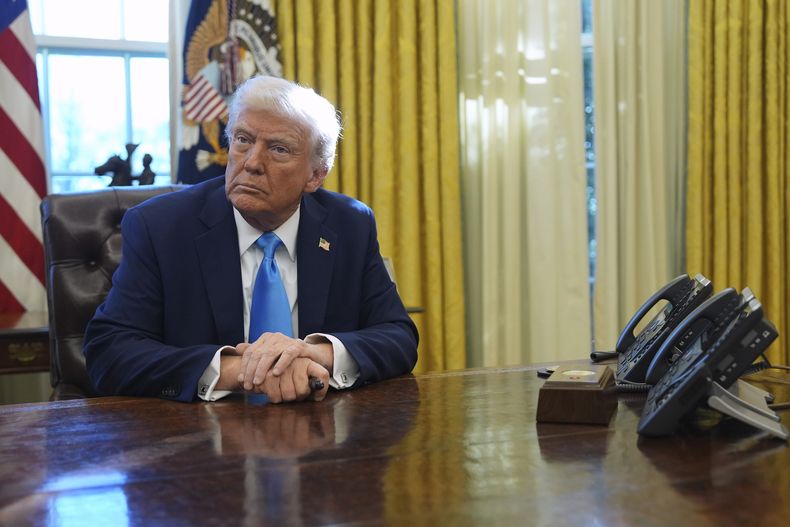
x=254, y=162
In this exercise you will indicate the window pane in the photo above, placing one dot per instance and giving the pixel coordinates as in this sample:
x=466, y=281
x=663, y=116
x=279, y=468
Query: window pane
x=589, y=105
x=589, y=145
x=82, y=18
x=34, y=6
x=61, y=184
x=587, y=16
x=151, y=113
x=146, y=20
x=87, y=111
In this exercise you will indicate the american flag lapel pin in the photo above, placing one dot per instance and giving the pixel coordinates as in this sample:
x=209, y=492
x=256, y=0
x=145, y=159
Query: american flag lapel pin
x=322, y=243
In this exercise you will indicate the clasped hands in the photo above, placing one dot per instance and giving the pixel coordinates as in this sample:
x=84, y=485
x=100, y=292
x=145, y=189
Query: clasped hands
x=281, y=367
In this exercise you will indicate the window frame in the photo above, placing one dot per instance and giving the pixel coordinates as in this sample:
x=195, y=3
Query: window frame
x=126, y=49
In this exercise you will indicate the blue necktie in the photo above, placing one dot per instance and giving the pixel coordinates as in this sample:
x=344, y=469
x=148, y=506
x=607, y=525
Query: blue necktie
x=270, y=309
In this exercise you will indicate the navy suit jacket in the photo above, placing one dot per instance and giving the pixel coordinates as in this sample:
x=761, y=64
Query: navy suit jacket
x=177, y=294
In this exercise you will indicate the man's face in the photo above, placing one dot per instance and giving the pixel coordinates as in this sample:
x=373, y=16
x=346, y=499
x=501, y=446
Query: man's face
x=270, y=165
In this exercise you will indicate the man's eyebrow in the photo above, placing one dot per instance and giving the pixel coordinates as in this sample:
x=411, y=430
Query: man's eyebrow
x=290, y=139
x=281, y=139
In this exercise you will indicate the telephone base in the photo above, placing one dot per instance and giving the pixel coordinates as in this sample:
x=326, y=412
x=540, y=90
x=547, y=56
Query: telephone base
x=747, y=404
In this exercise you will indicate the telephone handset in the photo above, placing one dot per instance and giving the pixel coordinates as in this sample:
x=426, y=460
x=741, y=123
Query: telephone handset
x=634, y=352
x=721, y=361
x=708, y=321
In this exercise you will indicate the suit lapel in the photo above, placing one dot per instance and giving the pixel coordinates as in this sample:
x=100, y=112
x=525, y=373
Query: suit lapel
x=315, y=259
x=218, y=254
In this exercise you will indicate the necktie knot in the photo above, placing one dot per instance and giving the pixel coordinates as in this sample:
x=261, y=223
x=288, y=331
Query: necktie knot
x=268, y=242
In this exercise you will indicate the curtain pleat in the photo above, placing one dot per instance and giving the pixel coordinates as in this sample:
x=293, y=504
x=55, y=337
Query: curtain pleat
x=738, y=152
x=639, y=171
x=390, y=68
x=523, y=181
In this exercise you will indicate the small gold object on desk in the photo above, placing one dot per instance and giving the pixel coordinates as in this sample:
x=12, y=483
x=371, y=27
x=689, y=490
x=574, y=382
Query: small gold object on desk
x=578, y=393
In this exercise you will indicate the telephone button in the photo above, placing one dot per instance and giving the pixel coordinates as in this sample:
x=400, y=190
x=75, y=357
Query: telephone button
x=726, y=361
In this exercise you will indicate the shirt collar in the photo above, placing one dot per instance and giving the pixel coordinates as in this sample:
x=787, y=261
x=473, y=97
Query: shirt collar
x=286, y=232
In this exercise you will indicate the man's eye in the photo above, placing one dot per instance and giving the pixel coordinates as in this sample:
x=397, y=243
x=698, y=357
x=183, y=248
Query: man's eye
x=241, y=139
x=280, y=149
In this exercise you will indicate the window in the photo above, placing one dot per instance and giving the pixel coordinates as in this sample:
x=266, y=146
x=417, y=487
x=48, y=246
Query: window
x=589, y=128
x=104, y=82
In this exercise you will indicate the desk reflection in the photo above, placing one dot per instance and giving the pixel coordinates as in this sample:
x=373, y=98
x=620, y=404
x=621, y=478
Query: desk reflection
x=303, y=462
x=723, y=473
x=281, y=431
x=348, y=419
x=146, y=461
x=722, y=463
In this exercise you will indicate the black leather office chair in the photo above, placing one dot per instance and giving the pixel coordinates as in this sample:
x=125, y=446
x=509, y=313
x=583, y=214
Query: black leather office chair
x=82, y=249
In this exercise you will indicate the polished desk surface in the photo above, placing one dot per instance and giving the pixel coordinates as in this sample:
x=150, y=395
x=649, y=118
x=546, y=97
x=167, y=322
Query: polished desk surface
x=458, y=448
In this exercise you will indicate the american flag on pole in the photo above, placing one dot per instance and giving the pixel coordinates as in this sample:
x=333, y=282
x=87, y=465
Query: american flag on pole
x=22, y=173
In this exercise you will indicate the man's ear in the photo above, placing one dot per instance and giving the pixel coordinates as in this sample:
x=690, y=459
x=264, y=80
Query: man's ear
x=316, y=180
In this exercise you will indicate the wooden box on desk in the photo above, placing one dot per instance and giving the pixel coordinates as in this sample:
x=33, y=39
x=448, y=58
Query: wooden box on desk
x=579, y=393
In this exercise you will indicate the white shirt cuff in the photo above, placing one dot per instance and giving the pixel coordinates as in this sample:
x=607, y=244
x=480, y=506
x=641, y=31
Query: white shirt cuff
x=345, y=370
x=210, y=378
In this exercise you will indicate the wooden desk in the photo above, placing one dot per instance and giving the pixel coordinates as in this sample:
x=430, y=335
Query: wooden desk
x=24, y=342
x=457, y=448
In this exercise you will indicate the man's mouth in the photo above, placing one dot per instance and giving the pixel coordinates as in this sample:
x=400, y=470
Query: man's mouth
x=250, y=189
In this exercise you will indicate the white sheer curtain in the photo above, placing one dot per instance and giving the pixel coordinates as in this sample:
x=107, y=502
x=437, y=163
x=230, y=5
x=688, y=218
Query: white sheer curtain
x=639, y=94
x=523, y=181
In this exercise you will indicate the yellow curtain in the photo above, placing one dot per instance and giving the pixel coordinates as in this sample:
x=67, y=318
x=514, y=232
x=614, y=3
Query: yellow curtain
x=739, y=151
x=390, y=68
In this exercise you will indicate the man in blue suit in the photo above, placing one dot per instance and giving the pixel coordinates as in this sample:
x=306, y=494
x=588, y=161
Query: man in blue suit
x=176, y=322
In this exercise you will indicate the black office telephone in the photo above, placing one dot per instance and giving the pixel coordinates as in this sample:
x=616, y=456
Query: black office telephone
x=714, y=360
x=708, y=320
x=635, y=352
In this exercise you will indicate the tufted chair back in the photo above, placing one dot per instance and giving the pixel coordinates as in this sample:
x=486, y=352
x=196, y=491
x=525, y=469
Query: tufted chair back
x=82, y=249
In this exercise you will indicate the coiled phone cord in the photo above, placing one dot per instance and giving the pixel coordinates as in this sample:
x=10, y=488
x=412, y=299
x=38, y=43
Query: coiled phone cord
x=632, y=387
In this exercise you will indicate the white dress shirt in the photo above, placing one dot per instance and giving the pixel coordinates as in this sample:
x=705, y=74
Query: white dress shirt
x=345, y=370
